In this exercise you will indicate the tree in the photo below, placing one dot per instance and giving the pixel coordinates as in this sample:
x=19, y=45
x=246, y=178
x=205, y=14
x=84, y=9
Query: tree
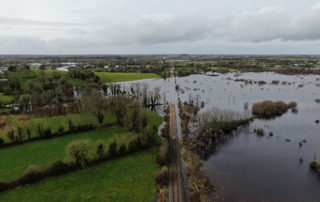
x=119, y=106
x=27, y=67
x=100, y=117
x=79, y=152
x=123, y=149
x=19, y=137
x=10, y=135
x=25, y=102
x=42, y=67
x=95, y=102
x=100, y=151
x=29, y=133
x=12, y=68
x=113, y=148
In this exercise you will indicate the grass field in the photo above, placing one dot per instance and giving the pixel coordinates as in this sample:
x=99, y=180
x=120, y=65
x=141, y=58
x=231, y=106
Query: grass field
x=4, y=99
x=108, y=77
x=44, y=152
x=129, y=178
x=14, y=160
x=156, y=118
x=13, y=121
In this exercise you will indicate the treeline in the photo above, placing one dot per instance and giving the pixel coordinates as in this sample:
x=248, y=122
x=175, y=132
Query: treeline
x=83, y=74
x=201, y=188
x=150, y=98
x=162, y=159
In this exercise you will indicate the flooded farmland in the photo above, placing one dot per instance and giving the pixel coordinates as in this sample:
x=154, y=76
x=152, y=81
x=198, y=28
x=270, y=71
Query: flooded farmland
x=242, y=165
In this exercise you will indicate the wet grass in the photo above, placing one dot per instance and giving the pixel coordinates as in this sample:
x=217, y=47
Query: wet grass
x=108, y=77
x=129, y=178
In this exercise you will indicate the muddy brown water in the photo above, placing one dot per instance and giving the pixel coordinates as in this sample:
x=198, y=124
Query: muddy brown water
x=243, y=166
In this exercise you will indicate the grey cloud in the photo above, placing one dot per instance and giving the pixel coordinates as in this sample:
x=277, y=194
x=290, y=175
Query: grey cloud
x=154, y=29
x=161, y=30
x=272, y=23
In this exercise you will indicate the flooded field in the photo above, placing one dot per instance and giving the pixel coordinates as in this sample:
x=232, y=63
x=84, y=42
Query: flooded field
x=242, y=165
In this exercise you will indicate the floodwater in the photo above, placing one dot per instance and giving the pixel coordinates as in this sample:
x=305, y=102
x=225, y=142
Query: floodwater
x=247, y=167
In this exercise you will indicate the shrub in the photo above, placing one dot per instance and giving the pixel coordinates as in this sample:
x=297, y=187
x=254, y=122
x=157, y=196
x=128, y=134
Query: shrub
x=61, y=130
x=135, y=145
x=292, y=105
x=1, y=141
x=162, y=157
x=100, y=151
x=123, y=149
x=78, y=150
x=162, y=177
x=149, y=137
x=113, y=148
x=259, y=131
x=19, y=137
x=269, y=109
x=48, y=133
x=71, y=126
x=29, y=133
x=100, y=117
x=315, y=165
x=57, y=167
x=10, y=135
x=32, y=174
x=40, y=130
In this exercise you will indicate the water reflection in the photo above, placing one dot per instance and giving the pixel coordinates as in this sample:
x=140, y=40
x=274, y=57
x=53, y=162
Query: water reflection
x=247, y=167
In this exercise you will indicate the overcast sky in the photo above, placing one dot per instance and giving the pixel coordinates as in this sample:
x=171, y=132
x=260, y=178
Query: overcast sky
x=159, y=26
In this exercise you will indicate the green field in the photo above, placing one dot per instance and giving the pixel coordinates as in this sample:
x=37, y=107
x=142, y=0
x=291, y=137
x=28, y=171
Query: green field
x=108, y=77
x=13, y=121
x=129, y=178
x=4, y=99
x=15, y=159
x=156, y=118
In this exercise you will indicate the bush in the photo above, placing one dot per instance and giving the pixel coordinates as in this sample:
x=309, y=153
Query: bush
x=48, y=133
x=123, y=149
x=19, y=137
x=100, y=151
x=57, y=168
x=269, y=109
x=113, y=148
x=61, y=130
x=292, y=105
x=40, y=130
x=259, y=131
x=149, y=137
x=29, y=133
x=10, y=135
x=135, y=145
x=71, y=126
x=1, y=141
x=79, y=152
x=162, y=177
x=315, y=165
x=100, y=117
x=162, y=157
x=32, y=174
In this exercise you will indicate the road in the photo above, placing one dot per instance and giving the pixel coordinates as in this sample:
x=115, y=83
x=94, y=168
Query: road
x=175, y=181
